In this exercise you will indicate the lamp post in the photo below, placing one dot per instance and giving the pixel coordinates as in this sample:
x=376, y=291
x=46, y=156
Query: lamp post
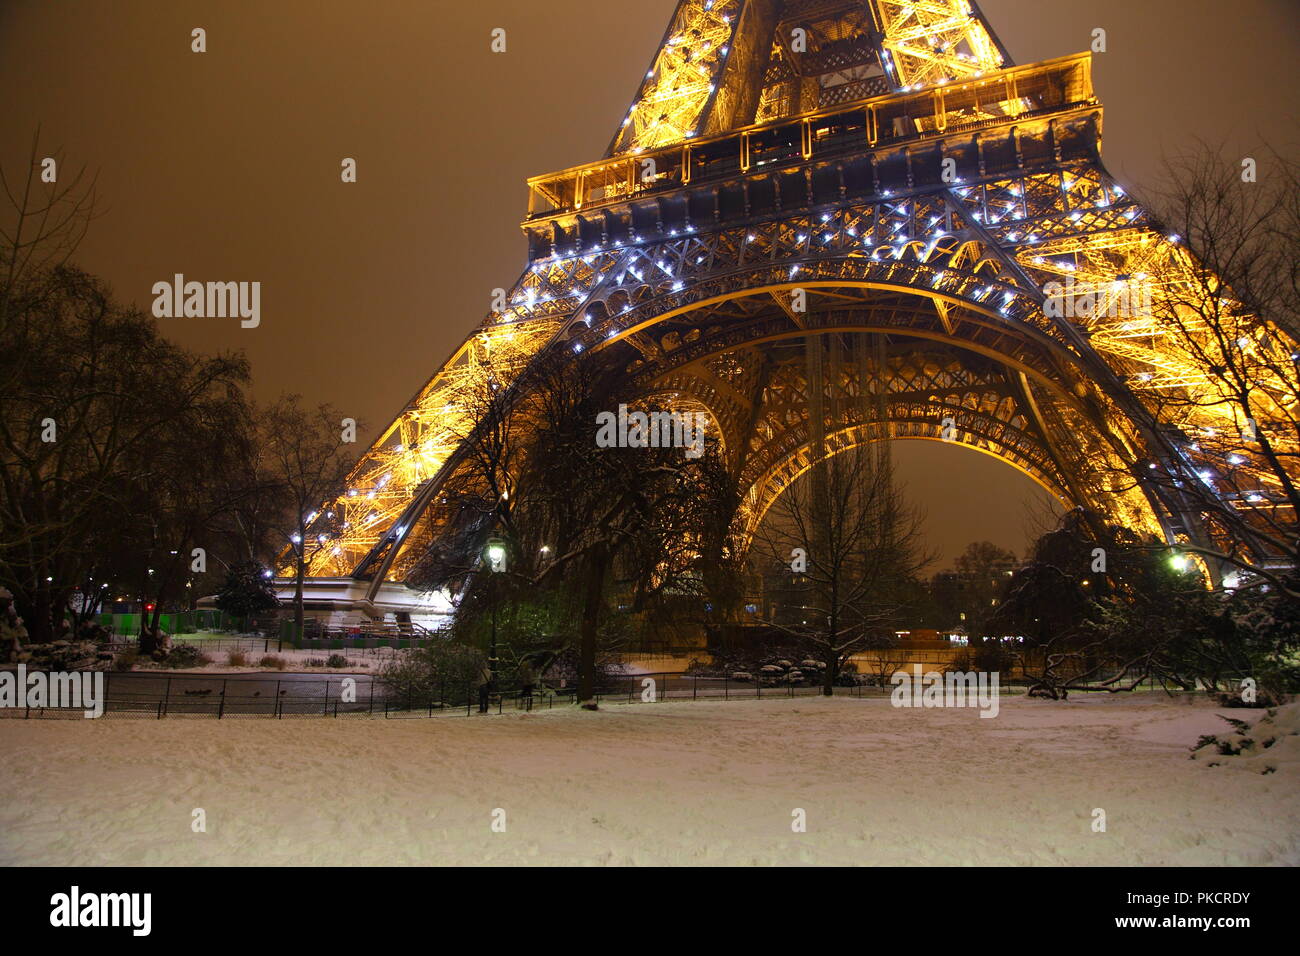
x=495, y=553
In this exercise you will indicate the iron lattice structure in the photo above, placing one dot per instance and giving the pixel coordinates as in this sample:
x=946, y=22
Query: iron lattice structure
x=783, y=146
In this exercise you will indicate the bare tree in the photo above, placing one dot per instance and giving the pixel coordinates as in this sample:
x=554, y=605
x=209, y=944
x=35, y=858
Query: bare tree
x=101, y=420
x=982, y=571
x=98, y=428
x=308, y=461
x=44, y=226
x=252, y=529
x=581, y=523
x=599, y=510
x=850, y=537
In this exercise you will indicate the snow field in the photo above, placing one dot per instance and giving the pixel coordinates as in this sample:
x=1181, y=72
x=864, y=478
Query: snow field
x=703, y=782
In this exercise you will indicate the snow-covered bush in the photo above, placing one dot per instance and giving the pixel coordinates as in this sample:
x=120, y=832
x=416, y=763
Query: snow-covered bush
x=1270, y=746
x=185, y=655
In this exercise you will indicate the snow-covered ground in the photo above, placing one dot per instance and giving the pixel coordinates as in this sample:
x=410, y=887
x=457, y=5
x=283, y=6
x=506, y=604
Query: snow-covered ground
x=668, y=783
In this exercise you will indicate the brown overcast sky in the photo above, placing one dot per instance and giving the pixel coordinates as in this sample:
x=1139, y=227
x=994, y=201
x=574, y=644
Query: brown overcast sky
x=226, y=165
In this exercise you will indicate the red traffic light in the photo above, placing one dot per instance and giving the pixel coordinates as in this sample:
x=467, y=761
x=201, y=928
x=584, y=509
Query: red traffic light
x=149, y=607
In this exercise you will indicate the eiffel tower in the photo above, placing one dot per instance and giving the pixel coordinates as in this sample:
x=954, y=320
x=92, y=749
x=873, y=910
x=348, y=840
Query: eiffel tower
x=812, y=207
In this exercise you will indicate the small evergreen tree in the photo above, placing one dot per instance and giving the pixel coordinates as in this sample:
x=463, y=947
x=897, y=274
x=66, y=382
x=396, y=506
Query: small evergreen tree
x=248, y=590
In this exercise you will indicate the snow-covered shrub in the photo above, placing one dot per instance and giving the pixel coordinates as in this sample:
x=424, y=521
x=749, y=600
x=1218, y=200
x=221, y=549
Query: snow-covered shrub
x=1272, y=745
x=185, y=655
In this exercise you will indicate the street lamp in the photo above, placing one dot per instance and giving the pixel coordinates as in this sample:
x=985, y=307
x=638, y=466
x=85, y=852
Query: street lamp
x=495, y=553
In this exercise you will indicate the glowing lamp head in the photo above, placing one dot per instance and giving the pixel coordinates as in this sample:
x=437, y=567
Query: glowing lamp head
x=495, y=552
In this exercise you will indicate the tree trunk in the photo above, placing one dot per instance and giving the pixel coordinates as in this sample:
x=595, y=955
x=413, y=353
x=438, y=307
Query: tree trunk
x=297, y=596
x=148, y=639
x=38, y=626
x=590, y=619
x=832, y=656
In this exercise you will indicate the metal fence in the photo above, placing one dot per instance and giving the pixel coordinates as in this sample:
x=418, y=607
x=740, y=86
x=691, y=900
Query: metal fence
x=150, y=696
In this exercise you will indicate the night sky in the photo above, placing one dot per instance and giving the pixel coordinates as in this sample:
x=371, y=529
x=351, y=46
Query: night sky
x=225, y=165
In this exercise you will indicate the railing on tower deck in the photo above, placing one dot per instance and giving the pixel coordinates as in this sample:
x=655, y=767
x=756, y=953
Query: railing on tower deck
x=1018, y=92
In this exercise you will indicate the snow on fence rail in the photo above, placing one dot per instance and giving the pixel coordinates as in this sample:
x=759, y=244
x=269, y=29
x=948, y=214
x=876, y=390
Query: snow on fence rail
x=145, y=695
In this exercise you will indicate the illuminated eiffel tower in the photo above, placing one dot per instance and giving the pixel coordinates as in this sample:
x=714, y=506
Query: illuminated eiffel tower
x=809, y=201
